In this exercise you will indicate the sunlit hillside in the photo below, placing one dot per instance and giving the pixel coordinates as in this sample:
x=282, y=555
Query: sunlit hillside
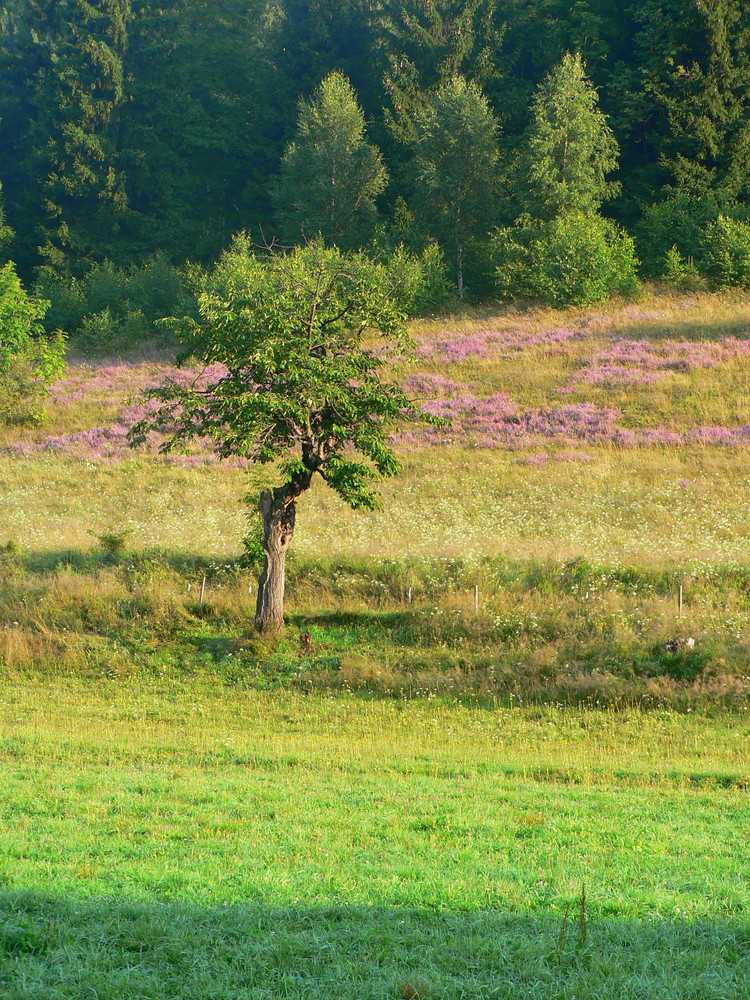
x=615, y=434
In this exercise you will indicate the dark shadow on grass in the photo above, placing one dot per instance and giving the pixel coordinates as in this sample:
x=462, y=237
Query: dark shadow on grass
x=686, y=329
x=382, y=620
x=54, y=948
x=90, y=560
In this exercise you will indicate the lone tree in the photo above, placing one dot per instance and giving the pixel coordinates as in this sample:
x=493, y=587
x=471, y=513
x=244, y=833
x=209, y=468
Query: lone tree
x=300, y=340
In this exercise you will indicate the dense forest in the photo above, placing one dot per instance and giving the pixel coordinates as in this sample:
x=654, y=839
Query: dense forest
x=137, y=135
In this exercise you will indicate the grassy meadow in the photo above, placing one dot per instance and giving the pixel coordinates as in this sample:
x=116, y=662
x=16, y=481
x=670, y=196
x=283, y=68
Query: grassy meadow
x=532, y=789
x=174, y=840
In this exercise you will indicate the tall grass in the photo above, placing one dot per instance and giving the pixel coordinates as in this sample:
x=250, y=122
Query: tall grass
x=494, y=629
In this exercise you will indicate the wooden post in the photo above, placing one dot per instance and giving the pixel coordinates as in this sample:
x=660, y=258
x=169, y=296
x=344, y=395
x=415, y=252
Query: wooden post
x=203, y=591
x=411, y=594
x=476, y=599
x=679, y=602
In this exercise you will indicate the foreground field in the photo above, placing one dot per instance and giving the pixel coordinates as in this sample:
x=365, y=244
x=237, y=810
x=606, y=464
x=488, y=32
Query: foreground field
x=170, y=840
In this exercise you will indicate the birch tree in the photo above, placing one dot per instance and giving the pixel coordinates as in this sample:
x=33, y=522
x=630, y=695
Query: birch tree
x=330, y=175
x=455, y=158
x=571, y=148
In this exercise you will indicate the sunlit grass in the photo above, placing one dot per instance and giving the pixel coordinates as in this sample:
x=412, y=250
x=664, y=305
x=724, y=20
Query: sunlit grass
x=647, y=506
x=172, y=840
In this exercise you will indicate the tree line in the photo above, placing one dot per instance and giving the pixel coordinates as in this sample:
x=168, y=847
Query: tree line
x=140, y=134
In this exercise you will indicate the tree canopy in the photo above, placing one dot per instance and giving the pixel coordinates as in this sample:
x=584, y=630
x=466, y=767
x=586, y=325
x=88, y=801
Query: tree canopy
x=330, y=175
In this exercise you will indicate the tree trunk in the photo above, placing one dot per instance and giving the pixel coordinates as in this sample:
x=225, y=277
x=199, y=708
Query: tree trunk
x=278, y=510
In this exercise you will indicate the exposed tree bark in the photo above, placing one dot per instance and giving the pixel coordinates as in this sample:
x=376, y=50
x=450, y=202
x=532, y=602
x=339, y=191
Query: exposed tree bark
x=278, y=510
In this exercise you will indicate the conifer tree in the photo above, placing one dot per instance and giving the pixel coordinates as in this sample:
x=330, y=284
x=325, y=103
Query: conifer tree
x=85, y=187
x=430, y=41
x=570, y=148
x=455, y=161
x=32, y=34
x=201, y=122
x=330, y=175
x=687, y=117
x=6, y=233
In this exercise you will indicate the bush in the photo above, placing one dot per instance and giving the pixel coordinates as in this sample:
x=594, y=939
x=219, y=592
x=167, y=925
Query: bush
x=113, y=307
x=572, y=260
x=677, y=223
x=680, y=224
x=681, y=273
x=726, y=253
x=29, y=360
x=420, y=280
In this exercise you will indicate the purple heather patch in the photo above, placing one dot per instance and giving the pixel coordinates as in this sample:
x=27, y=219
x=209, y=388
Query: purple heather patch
x=101, y=383
x=494, y=421
x=489, y=343
x=572, y=456
x=497, y=422
x=632, y=362
x=108, y=442
x=426, y=384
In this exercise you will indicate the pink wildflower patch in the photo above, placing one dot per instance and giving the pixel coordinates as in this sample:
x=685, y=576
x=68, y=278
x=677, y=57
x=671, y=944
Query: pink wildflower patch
x=633, y=362
x=491, y=342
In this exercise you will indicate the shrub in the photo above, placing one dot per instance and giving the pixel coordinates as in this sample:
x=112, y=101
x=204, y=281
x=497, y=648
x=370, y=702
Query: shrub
x=420, y=280
x=29, y=361
x=572, y=260
x=675, y=224
x=113, y=307
x=726, y=253
x=681, y=273
x=114, y=542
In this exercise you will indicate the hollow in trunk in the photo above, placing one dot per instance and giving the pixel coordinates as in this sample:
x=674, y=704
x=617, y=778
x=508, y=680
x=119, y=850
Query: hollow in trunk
x=278, y=511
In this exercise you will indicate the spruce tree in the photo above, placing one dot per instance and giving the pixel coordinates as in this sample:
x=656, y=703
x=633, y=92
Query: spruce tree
x=686, y=118
x=6, y=233
x=455, y=161
x=85, y=194
x=330, y=175
x=201, y=124
x=427, y=42
x=32, y=36
x=570, y=147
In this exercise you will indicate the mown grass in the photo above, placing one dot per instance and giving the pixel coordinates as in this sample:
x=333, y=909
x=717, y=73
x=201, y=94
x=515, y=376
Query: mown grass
x=168, y=839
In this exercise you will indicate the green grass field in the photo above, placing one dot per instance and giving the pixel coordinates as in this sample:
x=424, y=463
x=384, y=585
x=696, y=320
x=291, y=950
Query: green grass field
x=543, y=797
x=198, y=841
